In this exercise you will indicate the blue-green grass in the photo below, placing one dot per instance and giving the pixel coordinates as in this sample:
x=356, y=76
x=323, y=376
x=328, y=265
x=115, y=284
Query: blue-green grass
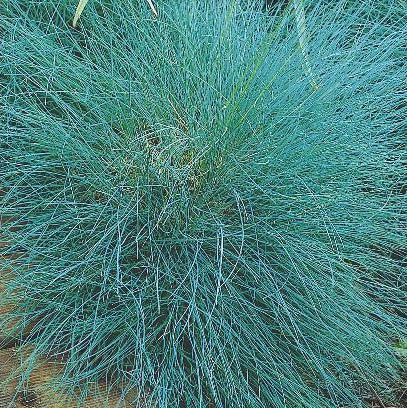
x=199, y=222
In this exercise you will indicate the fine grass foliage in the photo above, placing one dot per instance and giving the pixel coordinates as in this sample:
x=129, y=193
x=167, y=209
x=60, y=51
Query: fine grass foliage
x=200, y=223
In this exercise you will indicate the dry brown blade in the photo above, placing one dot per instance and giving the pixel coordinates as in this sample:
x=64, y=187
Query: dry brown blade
x=180, y=120
x=300, y=18
x=153, y=9
x=78, y=12
x=82, y=3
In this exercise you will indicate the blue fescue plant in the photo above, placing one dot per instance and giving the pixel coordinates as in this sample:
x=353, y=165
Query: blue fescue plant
x=199, y=221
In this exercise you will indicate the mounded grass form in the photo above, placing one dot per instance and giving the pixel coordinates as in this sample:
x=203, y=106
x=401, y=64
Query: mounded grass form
x=199, y=222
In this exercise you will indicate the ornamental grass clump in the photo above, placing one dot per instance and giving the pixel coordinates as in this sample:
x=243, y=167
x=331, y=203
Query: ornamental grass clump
x=209, y=203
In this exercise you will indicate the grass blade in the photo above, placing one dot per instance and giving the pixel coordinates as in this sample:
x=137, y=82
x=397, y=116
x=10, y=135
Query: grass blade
x=79, y=10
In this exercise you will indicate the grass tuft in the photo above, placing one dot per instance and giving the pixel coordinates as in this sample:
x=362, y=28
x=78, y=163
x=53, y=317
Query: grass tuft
x=197, y=223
